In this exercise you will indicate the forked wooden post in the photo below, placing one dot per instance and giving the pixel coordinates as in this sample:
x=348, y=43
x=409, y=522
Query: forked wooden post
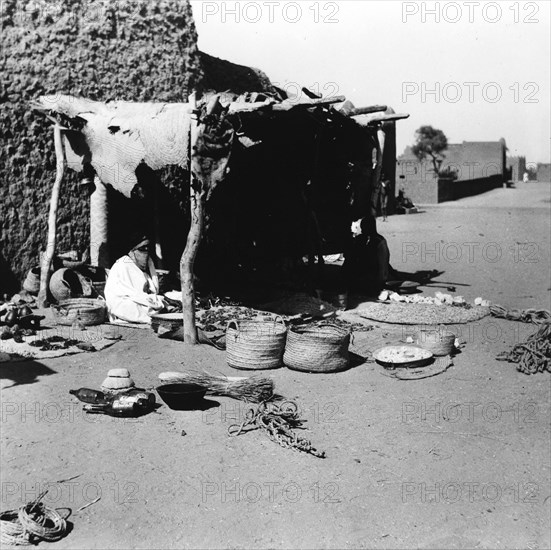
x=193, y=238
x=99, y=225
x=52, y=219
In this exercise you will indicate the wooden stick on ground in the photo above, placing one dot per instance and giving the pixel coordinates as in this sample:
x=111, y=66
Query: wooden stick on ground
x=52, y=219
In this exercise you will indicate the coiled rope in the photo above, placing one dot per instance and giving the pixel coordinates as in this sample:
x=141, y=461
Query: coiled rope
x=11, y=530
x=533, y=355
x=31, y=524
x=536, y=316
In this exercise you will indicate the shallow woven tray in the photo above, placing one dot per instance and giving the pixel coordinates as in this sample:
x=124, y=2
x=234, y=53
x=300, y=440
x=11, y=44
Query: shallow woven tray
x=421, y=314
x=169, y=321
x=301, y=304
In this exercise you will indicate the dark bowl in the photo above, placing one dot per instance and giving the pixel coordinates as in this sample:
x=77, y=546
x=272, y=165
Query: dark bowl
x=182, y=397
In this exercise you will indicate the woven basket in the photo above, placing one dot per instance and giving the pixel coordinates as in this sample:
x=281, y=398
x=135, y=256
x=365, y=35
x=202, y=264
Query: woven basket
x=255, y=345
x=438, y=342
x=169, y=321
x=85, y=311
x=322, y=348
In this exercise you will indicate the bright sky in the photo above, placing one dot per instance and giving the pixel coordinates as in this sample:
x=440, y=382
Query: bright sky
x=487, y=64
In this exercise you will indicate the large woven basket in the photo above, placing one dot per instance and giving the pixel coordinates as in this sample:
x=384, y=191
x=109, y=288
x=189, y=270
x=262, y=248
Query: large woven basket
x=322, y=348
x=85, y=311
x=255, y=345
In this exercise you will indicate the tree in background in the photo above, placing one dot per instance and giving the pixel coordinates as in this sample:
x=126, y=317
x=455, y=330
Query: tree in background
x=430, y=143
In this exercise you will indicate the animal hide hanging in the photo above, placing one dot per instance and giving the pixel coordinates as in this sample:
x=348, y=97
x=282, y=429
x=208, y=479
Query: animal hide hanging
x=213, y=146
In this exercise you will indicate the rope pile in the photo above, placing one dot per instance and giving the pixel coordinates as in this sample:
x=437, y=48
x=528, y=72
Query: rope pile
x=34, y=522
x=278, y=421
x=11, y=530
x=533, y=355
x=536, y=316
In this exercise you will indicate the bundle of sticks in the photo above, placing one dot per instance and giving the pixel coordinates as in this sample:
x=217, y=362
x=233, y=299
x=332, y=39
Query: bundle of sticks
x=255, y=389
x=534, y=355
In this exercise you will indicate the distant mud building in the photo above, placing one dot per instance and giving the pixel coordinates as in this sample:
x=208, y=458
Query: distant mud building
x=470, y=168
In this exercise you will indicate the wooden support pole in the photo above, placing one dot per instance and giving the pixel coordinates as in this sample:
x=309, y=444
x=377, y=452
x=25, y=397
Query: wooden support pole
x=193, y=238
x=157, y=225
x=99, y=225
x=376, y=181
x=381, y=136
x=52, y=219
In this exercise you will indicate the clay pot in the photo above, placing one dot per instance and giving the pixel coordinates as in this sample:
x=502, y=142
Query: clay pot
x=32, y=282
x=11, y=318
x=66, y=284
x=25, y=310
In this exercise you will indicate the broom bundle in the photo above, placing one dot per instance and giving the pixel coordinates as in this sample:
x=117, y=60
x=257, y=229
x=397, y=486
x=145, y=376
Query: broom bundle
x=255, y=389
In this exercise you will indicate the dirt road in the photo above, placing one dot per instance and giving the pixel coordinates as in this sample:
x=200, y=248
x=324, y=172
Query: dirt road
x=461, y=460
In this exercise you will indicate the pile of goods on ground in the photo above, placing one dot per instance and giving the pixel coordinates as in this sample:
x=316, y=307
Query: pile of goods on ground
x=533, y=355
x=421, y=313
x=218, y=317
x=439, y=299
x=18, y=315
x=118, y=396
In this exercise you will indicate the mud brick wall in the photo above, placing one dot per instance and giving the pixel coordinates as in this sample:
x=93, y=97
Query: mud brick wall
x=129, y=49
x=449, y=190
x=544, y=171
x=419, y=191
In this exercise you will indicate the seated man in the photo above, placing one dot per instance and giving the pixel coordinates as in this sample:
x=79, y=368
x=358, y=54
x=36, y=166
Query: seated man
x=132, y=286
x=367, y=261
x=402, y=201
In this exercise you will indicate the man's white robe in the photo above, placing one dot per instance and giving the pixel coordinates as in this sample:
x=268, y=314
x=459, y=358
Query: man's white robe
x=131, y=294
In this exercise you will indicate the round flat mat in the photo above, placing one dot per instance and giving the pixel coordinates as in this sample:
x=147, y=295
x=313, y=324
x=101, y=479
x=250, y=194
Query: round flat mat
x=421, y=314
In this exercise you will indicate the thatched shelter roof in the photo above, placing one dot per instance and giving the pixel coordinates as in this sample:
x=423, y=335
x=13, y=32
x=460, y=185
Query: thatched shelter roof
x=120, y=135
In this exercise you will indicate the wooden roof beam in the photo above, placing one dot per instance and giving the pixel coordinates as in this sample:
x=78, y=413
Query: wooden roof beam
x=367, y=110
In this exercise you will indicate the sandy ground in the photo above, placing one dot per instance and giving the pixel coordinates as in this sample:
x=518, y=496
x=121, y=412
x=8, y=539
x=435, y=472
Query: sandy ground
x=461, y=460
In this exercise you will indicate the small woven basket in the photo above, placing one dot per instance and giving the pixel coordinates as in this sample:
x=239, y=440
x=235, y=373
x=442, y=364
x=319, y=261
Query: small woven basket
x=323, y=348
x=86, y=311
x=255, y=345
x=438, y=342
x=169, y=321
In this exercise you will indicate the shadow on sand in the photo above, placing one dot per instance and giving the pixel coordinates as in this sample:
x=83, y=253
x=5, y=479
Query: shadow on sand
x=23, y=372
